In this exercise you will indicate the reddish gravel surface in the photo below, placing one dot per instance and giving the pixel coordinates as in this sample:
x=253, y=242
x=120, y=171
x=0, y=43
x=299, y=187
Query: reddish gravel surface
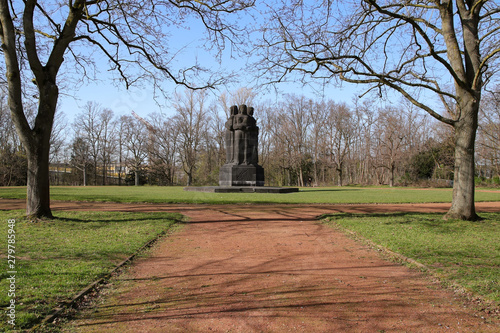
x=272, y=268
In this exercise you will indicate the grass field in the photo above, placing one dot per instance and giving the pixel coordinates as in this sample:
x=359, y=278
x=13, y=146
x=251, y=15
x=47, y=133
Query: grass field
x=460, y=253
x=176, y=194
x=57, y=258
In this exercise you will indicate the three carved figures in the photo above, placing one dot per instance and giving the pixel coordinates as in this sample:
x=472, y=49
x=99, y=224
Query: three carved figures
x=242, y=136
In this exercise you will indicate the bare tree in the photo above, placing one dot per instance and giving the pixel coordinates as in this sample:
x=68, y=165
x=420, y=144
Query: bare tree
x=489, y=133
x=8, y=135
x=58, y=144
x=120, y=125
x=265, y=136
x=38, y=36
x=191, y=118
x=241, y=96
x=58, y=137
x=12, y=156
x=136, y=140
x=219, y=116
x=88, y=127
x=366, y=113
x=295, y=114
x=414, y=48
x=80, y=157
x=318, y=121
x=107, y=142
x=164, y=151
x=340, y=132
x=391, y=140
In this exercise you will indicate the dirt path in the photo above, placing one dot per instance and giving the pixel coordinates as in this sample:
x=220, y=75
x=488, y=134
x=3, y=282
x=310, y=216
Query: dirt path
x=272, y=268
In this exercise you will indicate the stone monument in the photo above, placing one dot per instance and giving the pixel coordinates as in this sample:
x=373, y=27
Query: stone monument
x=242, y=172
x=242, y=139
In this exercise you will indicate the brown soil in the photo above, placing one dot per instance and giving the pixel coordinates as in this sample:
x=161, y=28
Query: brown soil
x=272, y=268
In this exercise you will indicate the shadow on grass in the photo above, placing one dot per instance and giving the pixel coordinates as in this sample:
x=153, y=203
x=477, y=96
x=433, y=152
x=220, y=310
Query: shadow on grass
x=177, y=218
x=429, y=221
x=413, y=215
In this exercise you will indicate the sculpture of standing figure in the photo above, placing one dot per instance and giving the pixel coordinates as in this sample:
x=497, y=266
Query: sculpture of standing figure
x=240, y=126
x=241, y=168
x=230, y=134
x=241, y=136
x=253, y=139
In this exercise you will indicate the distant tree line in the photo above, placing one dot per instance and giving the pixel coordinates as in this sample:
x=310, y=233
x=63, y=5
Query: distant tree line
x=302, y=142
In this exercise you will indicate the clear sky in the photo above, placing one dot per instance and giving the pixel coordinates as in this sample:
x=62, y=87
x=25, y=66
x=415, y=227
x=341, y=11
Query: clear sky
x=140, y=100
x=188, y=42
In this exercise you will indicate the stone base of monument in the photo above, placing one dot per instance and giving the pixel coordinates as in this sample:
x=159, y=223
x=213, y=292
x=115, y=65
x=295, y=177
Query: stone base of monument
x=241, y=189
x=235, y=178
x=241, y=175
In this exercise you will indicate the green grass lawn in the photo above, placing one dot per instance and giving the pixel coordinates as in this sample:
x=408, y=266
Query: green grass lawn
x=176, y=194
x=57, y=258
x=460, y=253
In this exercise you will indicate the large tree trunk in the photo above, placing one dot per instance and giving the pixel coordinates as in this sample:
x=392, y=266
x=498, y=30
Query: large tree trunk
x=37, y=143
x=136, y=176
x=38, y=194
x=85, y=174
x=301, y=177
x=391, y=176
x=463, y=185
x=340, y=175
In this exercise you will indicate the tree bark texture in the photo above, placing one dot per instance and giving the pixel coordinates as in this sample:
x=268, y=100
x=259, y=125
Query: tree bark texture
x=136, y=176
x=415, y=48
x=35, y=137
x=38, y=193
x=37, y=144
x=462, y=206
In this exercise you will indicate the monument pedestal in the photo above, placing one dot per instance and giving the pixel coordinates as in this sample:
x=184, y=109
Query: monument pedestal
x=241, y=189
x=241, y=175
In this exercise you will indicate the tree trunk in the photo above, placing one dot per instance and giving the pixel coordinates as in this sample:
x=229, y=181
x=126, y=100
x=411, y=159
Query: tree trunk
x=95, y=172
x=315, y=170
x=85, y=174
x=38, y=194
x=391, y=177
x=339, y=174
x=136, y=176
x=120, y=165
x=104, y=173
x=463, y=183
x=301, y=177
x=37, y=143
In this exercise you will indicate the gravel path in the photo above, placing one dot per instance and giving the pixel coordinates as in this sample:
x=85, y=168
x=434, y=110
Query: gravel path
x=272, y=268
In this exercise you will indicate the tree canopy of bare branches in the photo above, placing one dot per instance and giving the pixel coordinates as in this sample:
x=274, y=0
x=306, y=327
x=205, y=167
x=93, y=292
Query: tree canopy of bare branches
x=427, y=51
x=38, y=37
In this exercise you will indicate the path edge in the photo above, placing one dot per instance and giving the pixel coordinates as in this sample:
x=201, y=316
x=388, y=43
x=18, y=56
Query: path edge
x=93, y=286
x=481, y=305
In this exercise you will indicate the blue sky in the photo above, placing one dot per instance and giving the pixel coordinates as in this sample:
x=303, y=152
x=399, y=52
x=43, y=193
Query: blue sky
x=188, y=41
x=140, y=100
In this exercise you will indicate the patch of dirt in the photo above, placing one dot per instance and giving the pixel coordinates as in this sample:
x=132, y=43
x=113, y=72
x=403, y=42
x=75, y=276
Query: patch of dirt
x=272, y=268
